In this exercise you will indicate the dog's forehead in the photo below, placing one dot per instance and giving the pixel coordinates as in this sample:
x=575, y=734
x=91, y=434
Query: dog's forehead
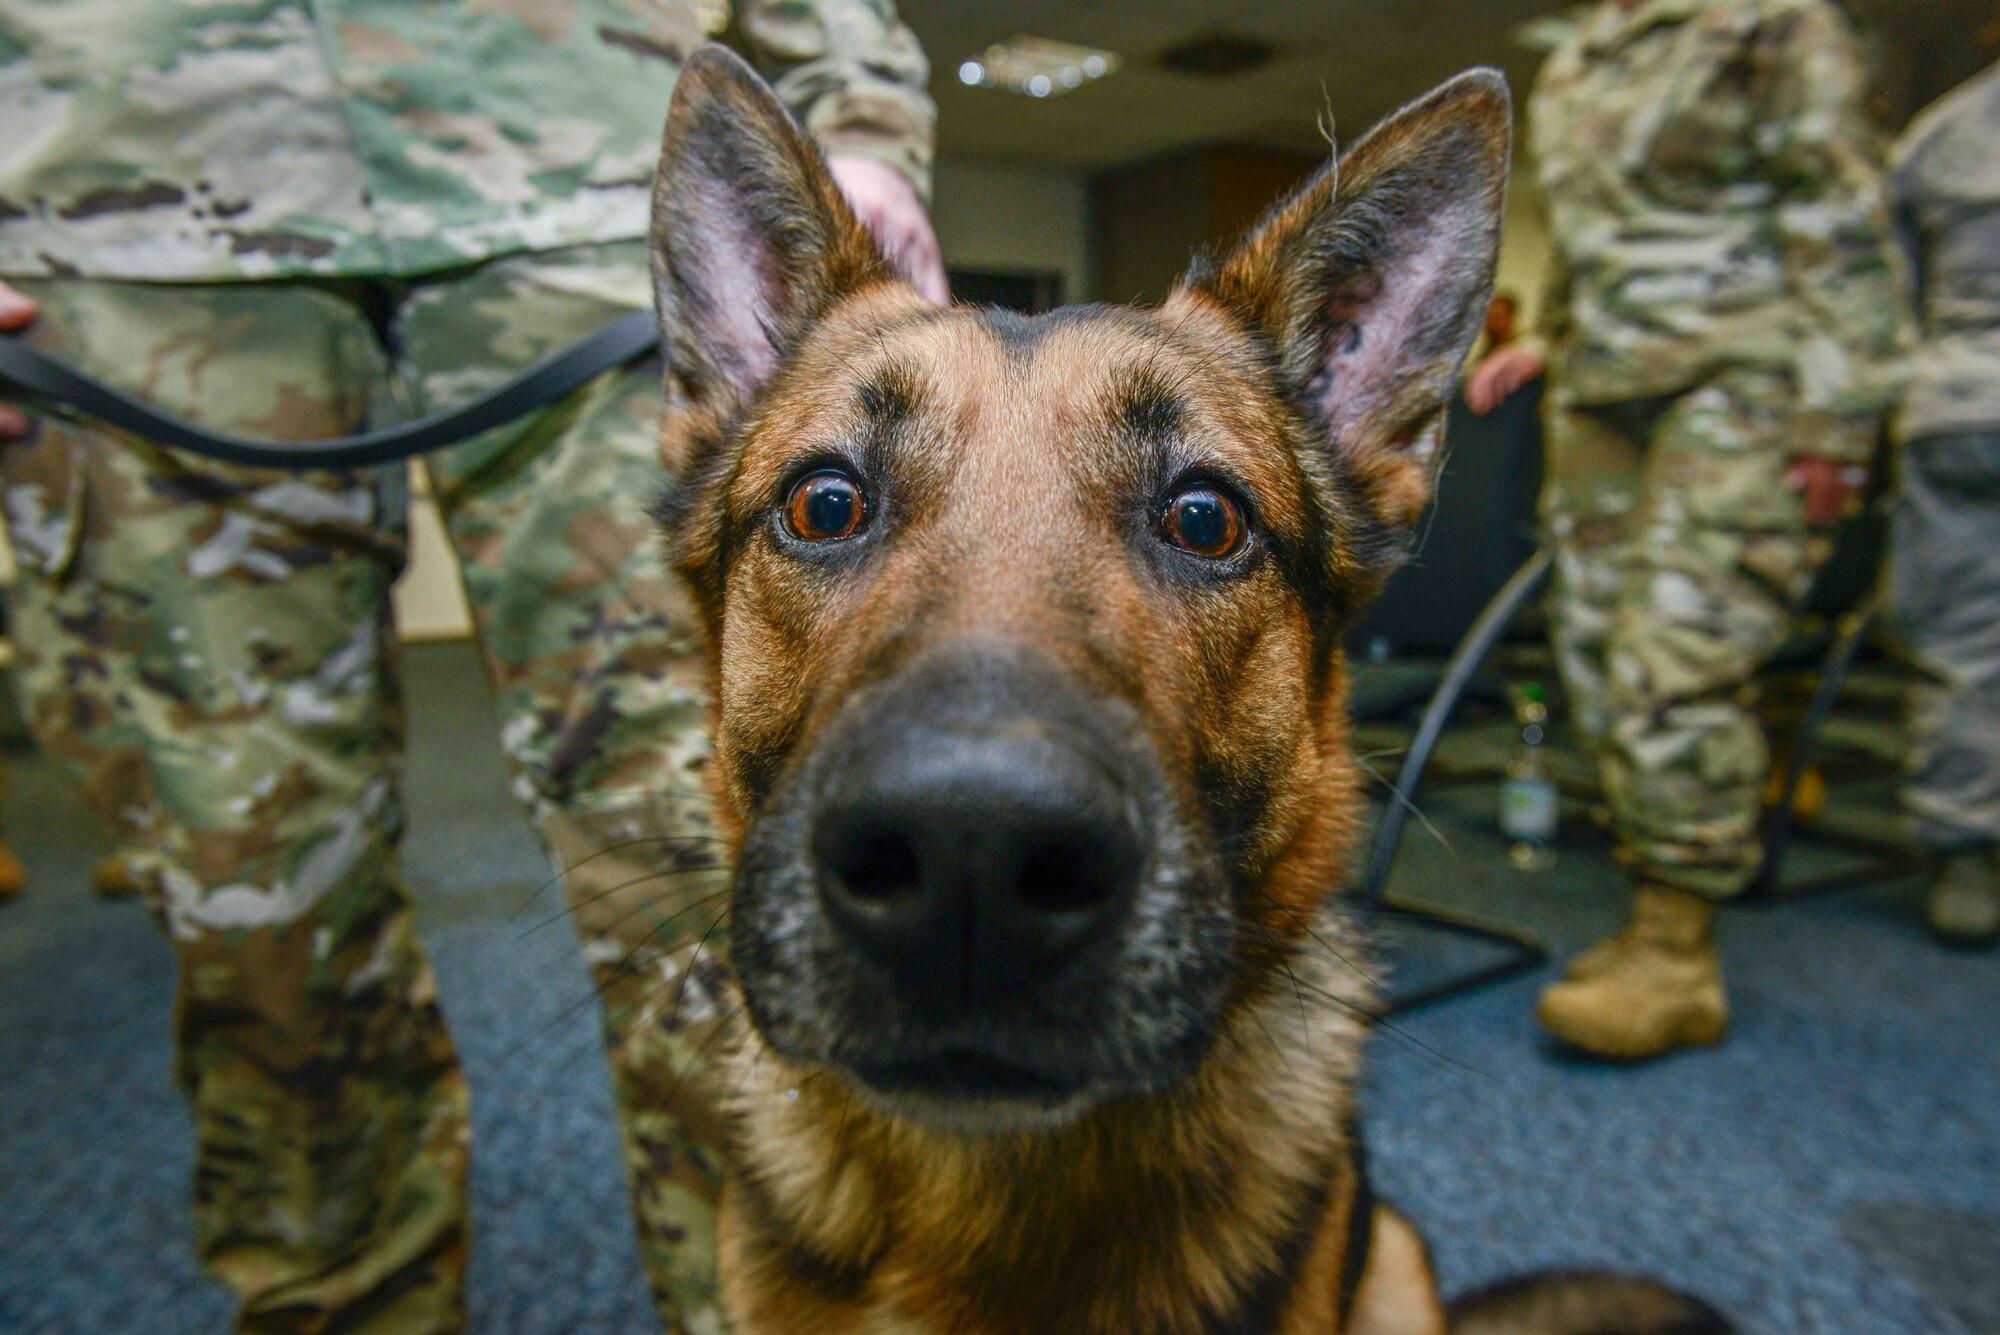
x=1085, y=390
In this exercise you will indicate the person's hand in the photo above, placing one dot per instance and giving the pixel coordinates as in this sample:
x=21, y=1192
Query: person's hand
x=887, y=205
x=1832, y=488
x=1500, y=374
x=15, y=312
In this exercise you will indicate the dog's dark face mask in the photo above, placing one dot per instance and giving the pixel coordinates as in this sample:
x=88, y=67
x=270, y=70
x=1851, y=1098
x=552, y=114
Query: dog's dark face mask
x=1025, y=631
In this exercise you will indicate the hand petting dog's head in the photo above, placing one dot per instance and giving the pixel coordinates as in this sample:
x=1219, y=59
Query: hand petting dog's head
x=1025, y=631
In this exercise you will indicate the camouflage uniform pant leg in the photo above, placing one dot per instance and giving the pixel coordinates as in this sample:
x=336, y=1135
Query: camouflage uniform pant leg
x=1945, y=559
x=1593, y=483
x=207, y=648
x=1715, y=566
x=592, y=651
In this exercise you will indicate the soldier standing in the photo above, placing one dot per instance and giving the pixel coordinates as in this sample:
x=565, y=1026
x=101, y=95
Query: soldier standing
x=1946, y=537
x=296, y=218
x=1718, y=327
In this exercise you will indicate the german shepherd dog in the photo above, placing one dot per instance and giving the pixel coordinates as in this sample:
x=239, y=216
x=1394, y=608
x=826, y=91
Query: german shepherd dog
x=1031, y=745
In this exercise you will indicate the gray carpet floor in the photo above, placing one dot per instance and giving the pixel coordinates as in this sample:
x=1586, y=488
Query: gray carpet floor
x=1833, y=1170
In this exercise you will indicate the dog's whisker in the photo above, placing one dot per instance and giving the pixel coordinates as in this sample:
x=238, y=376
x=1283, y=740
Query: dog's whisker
x=1409, y=1040
x=721, y=1026
x=556, y=879
x=1235, y=1040
x=588, y=901
x=624, y=968
x=680, y=993
x=1298, y=994
x=676, y=978
x=1404, y=801
x=1381, y=1020
x=1276, y=1046
x=1304, y=922
x=644, y=904
x=603, y=983
x=581, y=863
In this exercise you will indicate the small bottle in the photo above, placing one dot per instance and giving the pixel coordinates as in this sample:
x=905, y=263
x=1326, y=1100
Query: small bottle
x=1529, y=804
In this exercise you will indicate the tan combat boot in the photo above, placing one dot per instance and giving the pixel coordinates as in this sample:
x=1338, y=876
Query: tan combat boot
x=1612, y=951
x=1601, y=957
x=1964, y=907
x=1654, y=987
x=13, y=876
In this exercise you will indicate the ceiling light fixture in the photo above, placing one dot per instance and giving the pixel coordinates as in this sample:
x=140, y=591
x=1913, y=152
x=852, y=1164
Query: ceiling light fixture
x=1036, y=66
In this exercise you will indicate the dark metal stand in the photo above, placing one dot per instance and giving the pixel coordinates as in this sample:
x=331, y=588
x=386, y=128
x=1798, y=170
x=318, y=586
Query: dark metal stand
x=1508, y=950
x=1882, y=860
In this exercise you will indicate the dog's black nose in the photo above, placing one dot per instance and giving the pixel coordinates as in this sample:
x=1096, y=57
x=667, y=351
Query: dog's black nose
x=966, y=863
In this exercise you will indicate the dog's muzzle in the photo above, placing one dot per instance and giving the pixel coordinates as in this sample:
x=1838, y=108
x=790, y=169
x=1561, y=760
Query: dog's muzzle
x=975, y=888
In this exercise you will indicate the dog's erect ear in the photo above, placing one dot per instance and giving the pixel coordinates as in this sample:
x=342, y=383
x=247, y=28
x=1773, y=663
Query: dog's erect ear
x=751, y=240
x=1370, y=283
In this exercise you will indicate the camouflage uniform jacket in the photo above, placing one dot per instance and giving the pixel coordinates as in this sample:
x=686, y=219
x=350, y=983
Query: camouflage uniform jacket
x=1946, y=177
x=1714, y=202
x=197, y=140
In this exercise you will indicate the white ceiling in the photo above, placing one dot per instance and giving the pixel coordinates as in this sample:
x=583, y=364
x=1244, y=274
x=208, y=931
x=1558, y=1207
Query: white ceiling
x=1363, y=57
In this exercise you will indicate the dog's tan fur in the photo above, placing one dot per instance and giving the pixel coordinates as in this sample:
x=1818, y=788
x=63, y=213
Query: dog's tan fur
x=1227, y=1202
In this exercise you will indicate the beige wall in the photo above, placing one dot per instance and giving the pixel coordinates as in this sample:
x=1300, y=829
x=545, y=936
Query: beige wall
x=1009, y=215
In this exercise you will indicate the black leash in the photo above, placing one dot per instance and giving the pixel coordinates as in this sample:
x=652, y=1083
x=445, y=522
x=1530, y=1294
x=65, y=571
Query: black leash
x=32, y=376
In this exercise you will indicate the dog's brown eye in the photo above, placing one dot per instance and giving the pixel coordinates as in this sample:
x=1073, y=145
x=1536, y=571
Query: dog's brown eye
x=1204, y=521
x=824, y=507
